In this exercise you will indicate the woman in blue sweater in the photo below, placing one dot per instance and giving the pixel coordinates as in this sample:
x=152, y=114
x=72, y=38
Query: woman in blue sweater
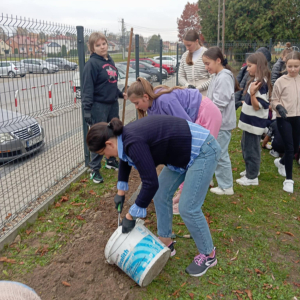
x=189, y=152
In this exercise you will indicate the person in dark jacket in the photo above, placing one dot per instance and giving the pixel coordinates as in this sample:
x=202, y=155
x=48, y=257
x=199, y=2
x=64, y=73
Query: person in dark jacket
x=279, y=67
x=243, y=78
x=188, y=151
x=100, y=95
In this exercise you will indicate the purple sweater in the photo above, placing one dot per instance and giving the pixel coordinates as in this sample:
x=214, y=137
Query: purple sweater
x=179, y=103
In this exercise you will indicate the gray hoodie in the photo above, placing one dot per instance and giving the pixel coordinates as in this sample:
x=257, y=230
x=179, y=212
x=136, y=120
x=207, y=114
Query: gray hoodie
x=221, y=92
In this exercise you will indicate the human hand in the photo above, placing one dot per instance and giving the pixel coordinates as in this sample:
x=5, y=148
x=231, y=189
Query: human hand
x=190, y=86
x=125, y=96
x=119, y=202
x=88, y=117
x=282, y=111
x=254, y=87
x=127, y=224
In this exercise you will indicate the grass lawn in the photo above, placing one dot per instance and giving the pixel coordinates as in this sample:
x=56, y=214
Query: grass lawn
x=256, y=232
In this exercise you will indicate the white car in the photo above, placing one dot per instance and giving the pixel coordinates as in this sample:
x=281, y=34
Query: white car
x=12, y=69
x=121, y=83
x=167, y=59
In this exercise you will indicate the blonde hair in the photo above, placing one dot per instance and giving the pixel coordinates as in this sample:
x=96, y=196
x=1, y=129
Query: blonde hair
x=94, y=37
x=142, y=87
x=191, y=36
x=288, y=49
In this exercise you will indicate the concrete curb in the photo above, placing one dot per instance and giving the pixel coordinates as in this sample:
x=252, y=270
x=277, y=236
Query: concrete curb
x=31, y=217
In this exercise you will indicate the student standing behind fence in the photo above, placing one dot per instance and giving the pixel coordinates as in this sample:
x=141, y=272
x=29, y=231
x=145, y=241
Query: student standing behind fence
x=192, y=71
x=254, y=116
x=221, y=92
x=100, y=94
x=286, y=101
x=279, y=68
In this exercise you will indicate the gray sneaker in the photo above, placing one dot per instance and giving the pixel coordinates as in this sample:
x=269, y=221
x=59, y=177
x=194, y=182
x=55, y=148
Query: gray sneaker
x=96, y=176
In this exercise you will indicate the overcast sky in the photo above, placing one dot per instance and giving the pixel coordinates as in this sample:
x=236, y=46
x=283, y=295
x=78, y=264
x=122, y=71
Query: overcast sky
x=146, y=17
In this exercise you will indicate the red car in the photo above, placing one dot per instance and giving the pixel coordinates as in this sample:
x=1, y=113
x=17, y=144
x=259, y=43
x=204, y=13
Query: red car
x=168, y=68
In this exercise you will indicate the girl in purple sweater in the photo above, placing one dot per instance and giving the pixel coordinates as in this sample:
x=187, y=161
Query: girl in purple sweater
x=188, y=104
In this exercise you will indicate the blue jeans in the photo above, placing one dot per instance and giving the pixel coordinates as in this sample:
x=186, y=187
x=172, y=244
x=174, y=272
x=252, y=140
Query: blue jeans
x=196, y=183
x=102, y=112
x=224, y=171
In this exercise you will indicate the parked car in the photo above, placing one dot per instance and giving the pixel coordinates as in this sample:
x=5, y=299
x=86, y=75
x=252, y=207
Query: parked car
x=20, y=135
x=62, y=63
x=156, y=64
x=39, y=66
x=12, y=69
x=132, y=73
x=121, y=82
x=167, y=59
x=149, y=69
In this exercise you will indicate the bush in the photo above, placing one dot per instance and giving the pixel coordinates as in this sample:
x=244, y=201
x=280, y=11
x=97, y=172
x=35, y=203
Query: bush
x=54, y=54
x=73, y=52
x=16, y=51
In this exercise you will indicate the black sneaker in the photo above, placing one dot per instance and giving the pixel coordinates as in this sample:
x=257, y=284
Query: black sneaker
x=112, y=164
x=96, y=176
x=172, y=248
x=201, y=264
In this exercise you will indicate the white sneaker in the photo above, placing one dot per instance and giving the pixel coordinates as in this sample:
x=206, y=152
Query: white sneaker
x=281, y=167
x=274, y=153
x=288, y=185
x=217, y=190
x=246, y=181
x=211, y=183
x=243, y=174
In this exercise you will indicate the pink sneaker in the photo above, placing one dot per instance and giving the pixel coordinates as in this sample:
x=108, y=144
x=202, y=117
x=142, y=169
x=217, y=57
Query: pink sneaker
x=176, y=209
x=176, y=197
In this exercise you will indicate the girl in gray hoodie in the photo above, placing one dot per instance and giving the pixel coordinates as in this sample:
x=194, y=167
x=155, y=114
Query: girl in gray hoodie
x=221, y=91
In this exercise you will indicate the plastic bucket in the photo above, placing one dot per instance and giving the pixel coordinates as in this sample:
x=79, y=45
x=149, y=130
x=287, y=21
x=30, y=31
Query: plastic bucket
x=139, y=253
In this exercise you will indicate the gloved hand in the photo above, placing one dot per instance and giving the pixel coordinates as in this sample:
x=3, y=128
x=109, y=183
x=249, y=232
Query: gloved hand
x=238, y=104
x=190, y=86
x=282, y=111
x=119, y=200
x=127, y=225
x=88, y=117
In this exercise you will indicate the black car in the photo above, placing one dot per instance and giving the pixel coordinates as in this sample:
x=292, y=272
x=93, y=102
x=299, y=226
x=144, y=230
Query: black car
x=152, y=71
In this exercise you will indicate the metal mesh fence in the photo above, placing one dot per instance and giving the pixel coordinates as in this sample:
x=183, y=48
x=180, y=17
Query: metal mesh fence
x=41, y=139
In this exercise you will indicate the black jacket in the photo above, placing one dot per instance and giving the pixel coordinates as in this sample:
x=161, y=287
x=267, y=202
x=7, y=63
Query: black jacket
x=242, y=79
x=277, y=70
x=100, y=78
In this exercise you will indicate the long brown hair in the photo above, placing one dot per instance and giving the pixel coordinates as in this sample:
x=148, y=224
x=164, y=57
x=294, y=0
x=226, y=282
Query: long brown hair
x=262, y=70
x=142, y=86
x=191, y=36
x=293, y=55
x=214, y=53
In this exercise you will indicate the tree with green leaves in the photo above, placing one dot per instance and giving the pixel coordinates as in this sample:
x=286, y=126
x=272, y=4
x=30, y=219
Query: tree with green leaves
x=63, y=50
x=153, y=44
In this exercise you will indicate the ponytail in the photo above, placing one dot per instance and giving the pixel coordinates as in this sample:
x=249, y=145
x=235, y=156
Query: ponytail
x=142, y=87
x=214, y=53
x=100, y=133
x=191, y=36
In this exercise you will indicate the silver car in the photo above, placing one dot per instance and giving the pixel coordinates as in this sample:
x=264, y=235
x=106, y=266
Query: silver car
x=12, y=69
x=20, y=135
x=39, y=66
x=62, y=63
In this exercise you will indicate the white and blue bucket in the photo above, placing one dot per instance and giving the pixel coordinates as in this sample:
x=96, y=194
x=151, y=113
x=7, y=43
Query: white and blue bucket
x=139, y=253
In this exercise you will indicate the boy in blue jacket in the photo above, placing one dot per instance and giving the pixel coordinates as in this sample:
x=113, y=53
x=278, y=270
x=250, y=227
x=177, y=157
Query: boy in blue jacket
x=100, y=95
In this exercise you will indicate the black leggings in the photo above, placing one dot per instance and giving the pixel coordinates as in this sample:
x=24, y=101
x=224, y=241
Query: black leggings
x=289, y=129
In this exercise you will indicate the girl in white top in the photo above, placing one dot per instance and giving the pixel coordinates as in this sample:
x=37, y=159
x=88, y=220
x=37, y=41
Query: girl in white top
x=192, y=72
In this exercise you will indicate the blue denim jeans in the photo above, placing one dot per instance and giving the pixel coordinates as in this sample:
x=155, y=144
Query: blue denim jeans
x=224, y=171
x=196, y=183
x=102, y=112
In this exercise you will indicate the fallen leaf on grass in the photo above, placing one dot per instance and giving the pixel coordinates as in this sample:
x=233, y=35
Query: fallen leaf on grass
x=181, y=223
x=208, y=297
x=57, y=205
x=183, y=284
x=78, y=204
x=8, y=216
x=84, y=180
x=28, y=232
x=176, y=293
x=267, y=286
x=92, y=192
x=296, y=284
x=212, y=283
x=249, y=209
x=7, y=260
x=64, y=199
x=269, y=297
x=234, y=169
x=273, y=277
x=298, y=218
x=83, y=211
x=66, y=283
x=249, y=294
x=258, y=271
x=21, y=263
x=295, y=262
x=288, y=233
x=42, y=251
x=236, y=255
x=238, y=296
x=233, y=202
x=191, y=295
x=80, y=218
x=239, y=292
x=278, y=233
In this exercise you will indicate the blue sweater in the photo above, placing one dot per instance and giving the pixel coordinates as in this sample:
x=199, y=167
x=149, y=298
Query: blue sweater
x=153, y=141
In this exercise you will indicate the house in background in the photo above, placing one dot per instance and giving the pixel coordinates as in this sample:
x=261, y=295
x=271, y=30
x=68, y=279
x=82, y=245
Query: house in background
x=63, y=40
x=24, y=44
x=51, y=47
x=113, y=46
x=4, y=48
